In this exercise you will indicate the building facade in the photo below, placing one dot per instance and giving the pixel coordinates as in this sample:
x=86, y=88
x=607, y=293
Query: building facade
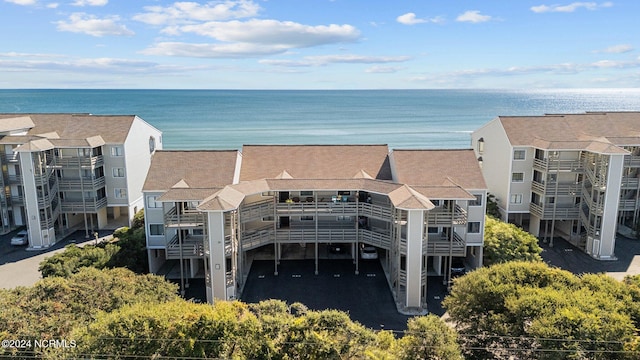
x=210, y=213
x=574, y=176
x=64, y=172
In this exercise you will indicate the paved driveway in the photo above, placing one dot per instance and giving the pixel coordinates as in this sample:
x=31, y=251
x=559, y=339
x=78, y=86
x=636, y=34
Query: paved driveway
x=366, y=297
x=568, y=257
x=19, y=267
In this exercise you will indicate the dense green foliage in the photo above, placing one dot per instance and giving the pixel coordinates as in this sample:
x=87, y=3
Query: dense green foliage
x=492, y=208
x=55, y=305
x=527, y=310
x=506, y=242
x=267, y=330
x=127, y=250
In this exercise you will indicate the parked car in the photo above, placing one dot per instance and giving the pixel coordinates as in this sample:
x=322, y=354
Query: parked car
x=458, y=268
x=368, y=253
x=21, y=238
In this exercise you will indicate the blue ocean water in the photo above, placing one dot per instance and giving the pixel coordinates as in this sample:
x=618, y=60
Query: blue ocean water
x=227, y=119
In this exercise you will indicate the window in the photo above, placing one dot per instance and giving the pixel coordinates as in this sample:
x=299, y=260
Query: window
x=152, y=201
x=306, y=218
x=116, y=151
x=267, y=218
x=516, y=199
x=306, y=193
x=473, y=227
x=432, y=230
x=118, y=172
x=343, y=218
x=435, y=202
x=477, y=201
x=517, y=177
x=120, y=193
x=152, y=144
x=480, y=146
x=156, y=229
x=519, y=154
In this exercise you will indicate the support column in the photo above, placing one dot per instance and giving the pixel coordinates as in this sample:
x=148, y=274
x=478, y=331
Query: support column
x=217, y=258
x=610, y=209
x=415, y=233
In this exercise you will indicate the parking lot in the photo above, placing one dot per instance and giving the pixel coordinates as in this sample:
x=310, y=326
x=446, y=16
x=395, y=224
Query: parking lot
x=366, y=296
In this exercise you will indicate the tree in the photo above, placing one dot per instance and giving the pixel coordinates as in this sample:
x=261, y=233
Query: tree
x=429, y=338
x=268, y=330
x=506, y=242
x=55, y=305
x=529, y=310
x=493, y=209
x=73, y=258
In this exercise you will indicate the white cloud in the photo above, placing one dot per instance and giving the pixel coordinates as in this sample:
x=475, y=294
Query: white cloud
x=616, y=49
x=411, y=19
x=382, y=70
x=285, y=33
x=22, y=2
x=235, y=50
x=188, y=12
x=473, y=16
x=91, y=25
x=90, y=3
x=322, y=60
x=53, y=5
x=570, y=7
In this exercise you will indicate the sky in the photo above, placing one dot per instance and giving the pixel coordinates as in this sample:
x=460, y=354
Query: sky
x=319, y=44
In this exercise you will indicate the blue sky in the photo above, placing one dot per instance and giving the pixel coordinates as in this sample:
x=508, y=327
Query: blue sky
x=319, y=44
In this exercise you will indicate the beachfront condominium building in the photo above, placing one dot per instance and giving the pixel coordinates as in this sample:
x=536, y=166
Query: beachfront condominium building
x=62, y=172
x=210, y=213
x=575, y=176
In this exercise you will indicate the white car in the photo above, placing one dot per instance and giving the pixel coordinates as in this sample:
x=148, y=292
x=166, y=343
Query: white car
x=368, y=253
x=21, y=238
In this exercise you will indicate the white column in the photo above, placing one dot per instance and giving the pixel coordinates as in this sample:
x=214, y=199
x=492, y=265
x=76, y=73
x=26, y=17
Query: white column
x=415, y=232
x=30, y=195
x=217, y=259
x=610, y=210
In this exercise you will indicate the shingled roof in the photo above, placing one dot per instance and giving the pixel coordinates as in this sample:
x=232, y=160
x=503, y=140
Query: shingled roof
x=314, y=161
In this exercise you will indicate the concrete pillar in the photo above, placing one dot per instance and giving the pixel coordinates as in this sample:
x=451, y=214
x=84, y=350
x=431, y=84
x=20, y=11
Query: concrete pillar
x=217, y=258
x=610, y=211
x=415, y=232
x=31, y=201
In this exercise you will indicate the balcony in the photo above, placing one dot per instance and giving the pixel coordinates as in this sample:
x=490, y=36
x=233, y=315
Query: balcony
x=630, y=183
x=89, y=205
x=546, y=165
x=192, y=247
x=319, y=235
x=443, y=216
x=186, y=218
x=14, y=179
x=559, y=212
x=627, y=205
x=632, y=161
x=254, y=238
x=556, y=189
x=439, y=245
x=78, y=161
x=311, y=208
x=79, y=184
x=256, y=211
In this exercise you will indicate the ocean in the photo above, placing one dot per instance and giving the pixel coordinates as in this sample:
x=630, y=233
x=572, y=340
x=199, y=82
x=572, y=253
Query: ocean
x=227, y=119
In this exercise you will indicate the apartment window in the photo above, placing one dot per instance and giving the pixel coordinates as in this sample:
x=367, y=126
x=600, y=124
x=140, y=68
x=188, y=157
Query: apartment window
x=306, y=193
x=435, y=202
x=516, y=199
x=152, y=201
x=519, y=154
x=120, y=193
x=480, y=145
x=156, y=229
x=267, y=218
x=152, y=144
x=116, y=151
x=517, y=177
x=118, y=172
x=477, y=201
x=343, y=218
x=432, y=230
x=473, y=227
x=306, y=218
